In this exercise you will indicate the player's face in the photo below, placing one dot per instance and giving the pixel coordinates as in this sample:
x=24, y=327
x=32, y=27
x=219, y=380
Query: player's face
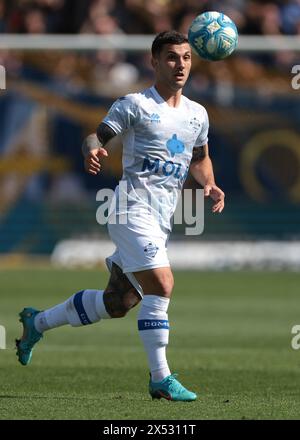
x=172, y=66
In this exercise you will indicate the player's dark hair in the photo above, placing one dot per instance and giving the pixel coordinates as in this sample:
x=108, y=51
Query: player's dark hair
x=167, y=37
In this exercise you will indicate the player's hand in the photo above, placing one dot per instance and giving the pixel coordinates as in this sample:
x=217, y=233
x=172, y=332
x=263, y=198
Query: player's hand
x=92, y=160
x=217, y=195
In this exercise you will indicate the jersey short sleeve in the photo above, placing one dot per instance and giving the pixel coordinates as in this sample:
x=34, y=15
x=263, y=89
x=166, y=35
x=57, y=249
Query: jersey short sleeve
x=121, y=115
x=203, y=135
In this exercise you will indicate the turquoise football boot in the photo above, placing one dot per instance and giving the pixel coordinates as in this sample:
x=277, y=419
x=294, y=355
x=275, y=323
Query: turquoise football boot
x=171, y=389
x=30, y=335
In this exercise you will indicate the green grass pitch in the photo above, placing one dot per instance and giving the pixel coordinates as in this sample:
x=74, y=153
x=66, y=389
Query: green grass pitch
x=230, y=342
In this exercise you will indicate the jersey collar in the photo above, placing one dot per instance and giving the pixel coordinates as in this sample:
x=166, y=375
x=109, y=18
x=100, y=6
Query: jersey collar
x=161, y=100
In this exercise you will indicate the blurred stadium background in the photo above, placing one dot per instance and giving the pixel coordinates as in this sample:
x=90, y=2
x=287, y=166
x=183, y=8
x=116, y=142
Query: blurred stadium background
x=66, y=61
x=57, y=94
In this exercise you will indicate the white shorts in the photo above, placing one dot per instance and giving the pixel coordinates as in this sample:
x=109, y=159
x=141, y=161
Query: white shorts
x=138, y=247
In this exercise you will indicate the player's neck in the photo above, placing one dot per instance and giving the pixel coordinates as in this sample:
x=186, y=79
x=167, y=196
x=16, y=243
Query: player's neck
x=171, y=97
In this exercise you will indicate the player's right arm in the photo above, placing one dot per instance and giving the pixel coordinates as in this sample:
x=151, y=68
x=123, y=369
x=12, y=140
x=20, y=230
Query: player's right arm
x=120, y=117
x=92, y=148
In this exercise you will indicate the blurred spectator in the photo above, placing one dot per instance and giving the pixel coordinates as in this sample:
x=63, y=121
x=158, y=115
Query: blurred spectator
x=66, y=74
x=102, y=24
x=2, y=17
x=136, y=18
x=34, y=22
x=52, y=10
x=123, y=75
x=144, y=16
x=100, y=19
x=103, y=63
x=185, y=23
x=271, y=20
x=290, y=14
x=73, y=15
x=112, y=73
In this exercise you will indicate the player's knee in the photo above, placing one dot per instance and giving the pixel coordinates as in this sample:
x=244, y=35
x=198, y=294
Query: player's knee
x=158, y=281
x=165, y=289
x=164, y=285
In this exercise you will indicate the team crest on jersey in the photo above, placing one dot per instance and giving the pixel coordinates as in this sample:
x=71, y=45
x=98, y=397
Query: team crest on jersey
x=154, y=118
x=151, y=250
x=175, y=146
x=195, y=124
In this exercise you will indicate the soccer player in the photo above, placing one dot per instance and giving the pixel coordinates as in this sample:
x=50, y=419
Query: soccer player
x=164, y=134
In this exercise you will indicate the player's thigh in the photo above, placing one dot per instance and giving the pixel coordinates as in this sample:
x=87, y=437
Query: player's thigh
x=140, y=248
x=157, y=281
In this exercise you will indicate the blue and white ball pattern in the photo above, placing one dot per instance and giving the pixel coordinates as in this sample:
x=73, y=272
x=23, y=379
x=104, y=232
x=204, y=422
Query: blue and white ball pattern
x=213, y=36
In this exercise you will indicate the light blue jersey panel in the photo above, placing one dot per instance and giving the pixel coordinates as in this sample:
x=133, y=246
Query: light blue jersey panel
x=158, y=142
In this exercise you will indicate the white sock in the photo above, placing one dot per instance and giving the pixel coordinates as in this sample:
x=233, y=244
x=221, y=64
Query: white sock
x=153, y=328
x=82, y=308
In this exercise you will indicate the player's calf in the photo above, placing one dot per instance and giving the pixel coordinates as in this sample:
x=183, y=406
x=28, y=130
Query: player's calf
x=118, y=304
x=119, y=296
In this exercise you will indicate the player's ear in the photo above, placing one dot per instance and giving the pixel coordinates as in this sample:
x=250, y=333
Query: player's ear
x=154, y=62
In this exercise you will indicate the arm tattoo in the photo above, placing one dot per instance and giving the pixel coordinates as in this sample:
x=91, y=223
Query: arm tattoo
x=199, y=154
x=93, y=141
x=90, y=143
x=105, y=133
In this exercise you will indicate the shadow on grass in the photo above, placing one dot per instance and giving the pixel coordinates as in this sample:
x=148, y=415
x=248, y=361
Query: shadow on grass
x=18, y=397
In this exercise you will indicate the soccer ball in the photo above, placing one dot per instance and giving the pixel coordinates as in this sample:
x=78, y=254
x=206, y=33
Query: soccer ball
x=213, y=36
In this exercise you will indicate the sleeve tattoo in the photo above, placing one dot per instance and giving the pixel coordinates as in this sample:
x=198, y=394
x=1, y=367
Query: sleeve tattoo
x=93, y=141
x=105, y=133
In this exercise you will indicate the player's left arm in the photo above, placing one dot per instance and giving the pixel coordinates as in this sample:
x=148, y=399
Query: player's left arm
x=201, y=169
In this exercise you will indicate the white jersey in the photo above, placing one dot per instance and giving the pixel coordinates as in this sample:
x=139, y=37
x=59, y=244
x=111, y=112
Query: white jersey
x=158, y=142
